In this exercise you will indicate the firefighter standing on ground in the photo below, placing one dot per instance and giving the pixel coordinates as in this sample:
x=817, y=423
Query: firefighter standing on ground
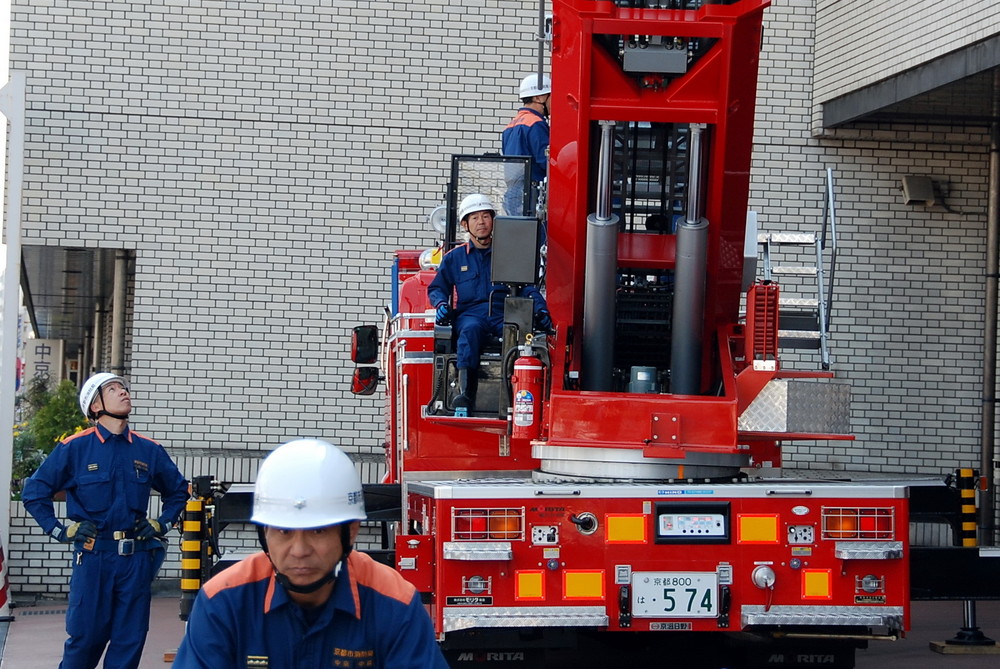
x=308, y=600
x=107, y=472
x=478, y=310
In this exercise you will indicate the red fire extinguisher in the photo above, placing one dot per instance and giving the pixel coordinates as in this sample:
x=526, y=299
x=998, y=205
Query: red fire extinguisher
x=527, y=385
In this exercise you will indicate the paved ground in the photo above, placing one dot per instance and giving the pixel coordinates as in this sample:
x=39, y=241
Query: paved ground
x=935, y=622
x=33, y=640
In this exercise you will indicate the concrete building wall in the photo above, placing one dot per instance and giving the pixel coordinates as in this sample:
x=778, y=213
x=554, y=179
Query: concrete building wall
x=263, y=160
x=908, y=308
x=860, y=43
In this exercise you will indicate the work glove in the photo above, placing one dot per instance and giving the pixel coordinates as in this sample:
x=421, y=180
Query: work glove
x=147, y=528
x=442, y=315
x=81, y=530
x=543, y=321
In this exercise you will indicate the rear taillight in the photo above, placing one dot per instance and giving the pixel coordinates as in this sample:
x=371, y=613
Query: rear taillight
x=482, y=524
x=859, y=523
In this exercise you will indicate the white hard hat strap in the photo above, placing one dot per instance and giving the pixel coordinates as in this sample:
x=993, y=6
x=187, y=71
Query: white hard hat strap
x=346, y=542
x=104, y=411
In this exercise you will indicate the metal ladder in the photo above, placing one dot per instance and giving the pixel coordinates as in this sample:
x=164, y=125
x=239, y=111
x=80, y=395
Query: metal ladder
x=806, y=304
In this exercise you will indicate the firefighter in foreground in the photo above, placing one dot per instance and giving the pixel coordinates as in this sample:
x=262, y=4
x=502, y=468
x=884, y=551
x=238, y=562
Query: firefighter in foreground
x=308, y=600
x=478, y=310
x=107, y=472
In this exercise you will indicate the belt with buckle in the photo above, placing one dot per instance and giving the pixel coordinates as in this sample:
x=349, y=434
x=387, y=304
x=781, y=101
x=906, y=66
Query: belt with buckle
x=122, y=546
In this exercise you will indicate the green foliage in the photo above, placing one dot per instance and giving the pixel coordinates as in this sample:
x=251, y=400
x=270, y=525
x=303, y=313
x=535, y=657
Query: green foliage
x=44, y=418
x=26, y=458
x=58, y=419
x=35, y=396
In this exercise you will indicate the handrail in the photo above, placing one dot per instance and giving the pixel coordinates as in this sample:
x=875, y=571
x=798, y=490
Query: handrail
x=830, y=209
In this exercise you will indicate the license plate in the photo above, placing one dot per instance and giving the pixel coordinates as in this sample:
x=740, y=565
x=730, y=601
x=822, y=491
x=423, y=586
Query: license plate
x=675, y=594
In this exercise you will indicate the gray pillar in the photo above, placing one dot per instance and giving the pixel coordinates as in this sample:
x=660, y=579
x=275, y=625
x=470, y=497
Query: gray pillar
x=690, y=273
x=97, y=363
x=599, y=278
x=118, y=313
x=987, y=498
x=689, y=308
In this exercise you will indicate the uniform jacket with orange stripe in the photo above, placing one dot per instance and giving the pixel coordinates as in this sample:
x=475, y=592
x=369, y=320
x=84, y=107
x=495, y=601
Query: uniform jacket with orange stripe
x=107, y=478
x=527, y=134
x=374, y=619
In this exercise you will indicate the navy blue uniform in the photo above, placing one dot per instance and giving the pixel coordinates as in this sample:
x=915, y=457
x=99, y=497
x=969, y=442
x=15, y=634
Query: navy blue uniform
x=108, y=478
x=478, y=305
x=373, y=620
x=527, y=134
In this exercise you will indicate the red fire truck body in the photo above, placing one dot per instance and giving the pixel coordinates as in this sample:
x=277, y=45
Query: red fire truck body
x=576, y=499
x=613, y=492
x=702, y=557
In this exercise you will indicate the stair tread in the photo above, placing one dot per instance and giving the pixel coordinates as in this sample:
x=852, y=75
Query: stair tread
x=798, y=334
x=798, y=301
x=793, y=269
x=786, y=237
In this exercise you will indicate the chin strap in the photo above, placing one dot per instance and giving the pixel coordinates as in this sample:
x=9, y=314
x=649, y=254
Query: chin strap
x=311, y=587
x=105, y=412
x=119, y=416
x=345, y=536
x=483, y=240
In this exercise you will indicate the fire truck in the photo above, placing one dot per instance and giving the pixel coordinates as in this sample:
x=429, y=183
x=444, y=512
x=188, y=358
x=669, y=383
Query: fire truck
x=614, y=492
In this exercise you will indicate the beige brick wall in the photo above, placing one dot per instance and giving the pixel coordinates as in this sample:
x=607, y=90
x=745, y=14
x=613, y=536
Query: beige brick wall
x=907, y=313
x=859, y=42
x=264, y=159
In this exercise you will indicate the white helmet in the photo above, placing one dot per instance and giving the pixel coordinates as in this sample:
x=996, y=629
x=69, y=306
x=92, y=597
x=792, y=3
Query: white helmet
x=530, y=87
x=90, y=387
x=473, y=203
x=307, y=483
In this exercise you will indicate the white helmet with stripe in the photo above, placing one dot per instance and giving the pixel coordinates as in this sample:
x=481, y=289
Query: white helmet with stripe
x=473, y=203
x=531, y=86
x=92, y=386
x=305, y=484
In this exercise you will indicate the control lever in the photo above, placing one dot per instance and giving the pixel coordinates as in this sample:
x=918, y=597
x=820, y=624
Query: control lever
x=624, y=606
x=586, y=522
x=763, y=577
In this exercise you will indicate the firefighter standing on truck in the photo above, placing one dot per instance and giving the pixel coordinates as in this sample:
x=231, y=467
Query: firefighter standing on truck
x=478, y=310
x=527, y=134
x=107, y=472
x=308, y=600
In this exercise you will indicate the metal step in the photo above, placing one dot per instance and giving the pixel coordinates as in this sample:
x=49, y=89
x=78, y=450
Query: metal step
x=804, y=238
x=799, y=334
x=793, y=270
x=801, y=339
x=818, y=406
x=860, y=616
x=806, y=303
x=792, y=308
x=457, y=618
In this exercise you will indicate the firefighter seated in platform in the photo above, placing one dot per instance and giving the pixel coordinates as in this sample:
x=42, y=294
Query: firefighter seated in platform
x=478, y=310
